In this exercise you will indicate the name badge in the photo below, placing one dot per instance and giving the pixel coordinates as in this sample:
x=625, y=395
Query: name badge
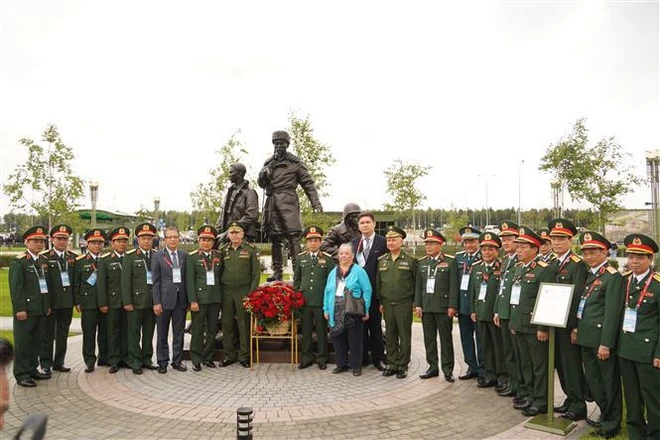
x=340, y=289
x=583, y=301
x=482, y=292
x=430, y=285
x=501, y=290
x=360, y=259
x=210, y=278
x=515, y=294
x=64, y=276
x=149, y=279
x=43, y=286
x=92, y=279
x=629, y=320
x=176, y=274
x=465, y=281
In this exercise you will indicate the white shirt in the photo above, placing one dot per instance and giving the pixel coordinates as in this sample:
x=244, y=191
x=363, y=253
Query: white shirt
x=564, y=256
x=594, y=270
x=640, y=277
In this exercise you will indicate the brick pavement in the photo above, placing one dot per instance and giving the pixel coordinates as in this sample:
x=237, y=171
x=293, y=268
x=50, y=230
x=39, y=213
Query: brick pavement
x=288, y=404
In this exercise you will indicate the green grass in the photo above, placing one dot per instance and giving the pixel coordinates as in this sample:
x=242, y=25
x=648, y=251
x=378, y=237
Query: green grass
x=7, y=334
x=624, y=430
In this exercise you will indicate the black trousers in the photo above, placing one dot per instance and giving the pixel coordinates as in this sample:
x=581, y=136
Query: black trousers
x=349, y=341
x=177, y=316
x=373, y=336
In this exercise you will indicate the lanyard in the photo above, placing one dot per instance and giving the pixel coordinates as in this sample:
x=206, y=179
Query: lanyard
x=465, y=268
x=93, y=265
x=435, y=269
x=167, y=258
x=36, y=267
x=644, y=290
x=524, y=270
x=563, y=263
x=204, y=261
x=601, y=271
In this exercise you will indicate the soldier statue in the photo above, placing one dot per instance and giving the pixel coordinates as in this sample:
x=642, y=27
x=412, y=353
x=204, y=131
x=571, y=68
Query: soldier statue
x=241, y=205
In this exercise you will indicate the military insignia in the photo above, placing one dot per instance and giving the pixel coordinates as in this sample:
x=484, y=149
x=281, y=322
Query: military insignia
x=544, y=234
x=443, y=264
x=468, y=230
x=487, y=237
x=40, y=231
x=97, y=233
x=587, y=237
x=598, y=283
x=207, y=229
x=530, y=275
x=636, y=241
x=559, y=225
x=522, y=231
x=575, y=258
x=121, y=231
x=145, y=227
x=312, y=229
x=611, y=270
x=62, y=228
x=429, y=233
x=505, y=226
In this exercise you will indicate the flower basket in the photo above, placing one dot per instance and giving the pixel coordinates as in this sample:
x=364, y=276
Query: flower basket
x=273, y=305
x=280, y=328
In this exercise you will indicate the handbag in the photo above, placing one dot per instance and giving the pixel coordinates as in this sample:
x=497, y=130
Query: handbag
x=353, y=306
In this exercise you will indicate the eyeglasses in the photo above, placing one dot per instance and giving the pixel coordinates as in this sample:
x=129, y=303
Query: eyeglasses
x=172, y=237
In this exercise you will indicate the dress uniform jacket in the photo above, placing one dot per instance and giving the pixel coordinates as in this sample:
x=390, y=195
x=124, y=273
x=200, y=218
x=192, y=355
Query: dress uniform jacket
x=309, y=276
x=241, y=266
x=445, y=293
x=490, y=276
x=530, y=277
x=134, y=287
x=85, y=294
x=464, y=263
x=109, y=282
x=61, y=297
x=196, y=287
x=502, y=306
x=395, y=281
x=85, y=290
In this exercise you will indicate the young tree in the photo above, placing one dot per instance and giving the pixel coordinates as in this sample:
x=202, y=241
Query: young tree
x=598, y=174
x=45, y=183
x=401, y=185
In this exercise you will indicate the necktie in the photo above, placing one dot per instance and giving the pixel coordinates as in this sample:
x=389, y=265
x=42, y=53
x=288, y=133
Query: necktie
x=314, y=258
x=175, y=260
x=367, y=247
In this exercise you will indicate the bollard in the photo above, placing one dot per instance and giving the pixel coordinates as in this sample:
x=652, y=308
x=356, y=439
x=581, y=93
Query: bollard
x=244, y=417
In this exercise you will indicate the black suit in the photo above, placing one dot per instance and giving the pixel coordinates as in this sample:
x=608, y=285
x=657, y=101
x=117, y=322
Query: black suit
x=172, y=296
x=373, y=330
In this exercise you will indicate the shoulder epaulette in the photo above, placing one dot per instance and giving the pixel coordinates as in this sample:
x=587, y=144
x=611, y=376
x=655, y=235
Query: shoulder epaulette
x=224, y=246
x=518, y=263
x=449, y=255
x=383, y=256
x=80, y=257
x=477, y=262
x=21, y=256
x=302, y=253
x=576, y=258
x=327, y=254
x=192, y=252
x=130, y=252
x=215, y=251
x=626, y=273
x=107, y=254
x=542, y=263
x=44, y=252
x=460, y=252
x=423, y=258
x=611, y=270
x=656, y=277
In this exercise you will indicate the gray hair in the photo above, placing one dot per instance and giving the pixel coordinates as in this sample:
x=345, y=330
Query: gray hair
x=346, y=246
x=171, y=229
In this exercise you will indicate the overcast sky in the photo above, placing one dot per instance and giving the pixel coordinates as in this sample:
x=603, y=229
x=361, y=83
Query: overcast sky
x=145, y=92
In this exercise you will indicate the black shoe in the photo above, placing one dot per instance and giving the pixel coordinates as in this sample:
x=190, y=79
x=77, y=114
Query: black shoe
x=197, y=367
x=467, y=376
x=29, y=383
x=150, y=366
x=113, y=368
x=602, y=434
x=179, y=367
x=449, y=378
x=501, y=386
x=137, y=370
x=101, y=364
x=210, y=364
x=225, y=362
x=357, y=372
x=389, y=372
x=47, y=371
x=245, y=364
x=401, y=374
x=338, y=370
x=593, y=423
x=274, y=277
x=570, y=415
x=533, y=411
x=40, y=376
x=380, y=366
x=162, y=369
x=486, y=383
x=507, y=392
x=303, y=365
x=61, y=368
x=89, y=368
x=429, y=373
x=523, y=405
x=561, y=409
x=517, y=399
x=322, y=365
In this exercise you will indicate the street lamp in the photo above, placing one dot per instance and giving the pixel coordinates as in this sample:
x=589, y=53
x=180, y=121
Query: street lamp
x=94, y=194
x=519, y=173
x=555, y=184
x=652, y=166
x=156, y=209
x=487, y=210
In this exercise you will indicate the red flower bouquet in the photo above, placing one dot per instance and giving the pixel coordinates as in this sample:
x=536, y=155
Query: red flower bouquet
x=272, y=304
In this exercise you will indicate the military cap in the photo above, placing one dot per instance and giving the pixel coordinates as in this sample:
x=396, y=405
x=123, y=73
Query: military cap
x=527, y=235
x=235, y=226
x=35, y=233
x=145, y=229
x=281, y=135
x=118, y=233
x=640, y=244
x=490, y=239
x=95, y=234
x=207, y=231
x=469, y=233
x=507, y=227
x=544, y=233
x=432, y=234
x=593, y=240
x=313, y=232
x=394, y=231
x=560, y=227
x=61, y=230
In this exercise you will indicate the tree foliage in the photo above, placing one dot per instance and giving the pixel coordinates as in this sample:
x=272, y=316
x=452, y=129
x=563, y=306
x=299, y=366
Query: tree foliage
x=316, y=156
x=45, y=183
x=402, y=178
x=598, y=174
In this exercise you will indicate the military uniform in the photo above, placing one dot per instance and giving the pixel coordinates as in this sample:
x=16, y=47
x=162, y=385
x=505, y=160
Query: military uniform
x=203, y=287
x=436, y=290
x=109, y=295
x=85, y=290
x=550, y=256
x=28, y=288
x=395, y=288
x=599, y=321
x=240, y=276
x=57, y=324
x=638, y=346
x=136, y=285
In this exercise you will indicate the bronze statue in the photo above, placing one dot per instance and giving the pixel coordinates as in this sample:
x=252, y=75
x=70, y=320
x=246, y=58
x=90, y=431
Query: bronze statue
x=241, y=205
x=280, y=176
x=343, y=232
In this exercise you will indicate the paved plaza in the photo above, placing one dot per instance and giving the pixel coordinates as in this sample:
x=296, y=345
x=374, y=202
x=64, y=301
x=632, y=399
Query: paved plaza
x=287, y=403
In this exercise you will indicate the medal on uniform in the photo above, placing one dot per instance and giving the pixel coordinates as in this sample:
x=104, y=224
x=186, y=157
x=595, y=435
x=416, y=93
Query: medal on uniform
x=92, y=279
x=580, y=310
x=515, y=294
x=482, y=292
x=43, y=286
x=210, y=278
x=629, y=320
x=465, y=281
x=340, y=288
x=64, y=276
x=149, y=279
x=176, y=274
x=360, y=259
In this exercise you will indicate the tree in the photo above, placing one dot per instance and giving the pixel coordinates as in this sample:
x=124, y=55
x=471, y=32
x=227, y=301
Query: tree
x=316, y=156
x=208, y=197
x=401, y=185
x=455, y=221
x=45, y=183
x=598, y=174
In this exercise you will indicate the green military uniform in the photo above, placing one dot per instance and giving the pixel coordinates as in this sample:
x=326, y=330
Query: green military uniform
x=442, y=272
x=85, y=291
x=309, y=277
x=60, y=285
x=239, y=277
x=136, y=285
x=599, y=321
x=483, y=292
x=205, y=290
x=549, y=256
x=533, y=353
x=395, y=288
x=109, y=295
x=28, y=274
x=569, y=269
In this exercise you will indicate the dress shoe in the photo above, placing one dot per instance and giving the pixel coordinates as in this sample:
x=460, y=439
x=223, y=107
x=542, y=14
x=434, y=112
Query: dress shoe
x=449, y=378
x=303, y=365
x=27, y=383
x=40, y=376
x=486, y=383
x=113, y=368
x=210, y=364
x=137, y=370
x=467, y=376
x=602, y=434
x=150, y=366
x=357, y=372
x=523, y=405
x=225, y=362
x=274, y=277
x=507, y=392
x=338, y=370
x=389, y=372
x=429, y=374
x=89, y=368
x=401, y=374
x=323, y=366
x=561, y=409
x=47, y=371
x=179, y=367
x=61, y=368
x=102, y=363
x=517, y=399
x=380, y=366
x=593, y=423
x=501, y=386
x=533, y=411
x=162, y=369
x=197, y=367
x=570, y=415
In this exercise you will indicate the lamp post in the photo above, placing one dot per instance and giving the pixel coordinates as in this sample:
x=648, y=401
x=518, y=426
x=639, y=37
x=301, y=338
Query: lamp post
x=156, y=209
x=519, y=198
x=487, y=220
x=555, y=184
x=652, y=166
x=94, y=194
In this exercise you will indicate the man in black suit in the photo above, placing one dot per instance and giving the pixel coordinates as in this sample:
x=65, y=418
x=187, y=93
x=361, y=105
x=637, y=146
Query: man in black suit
x=170, y=300
x=368, y=248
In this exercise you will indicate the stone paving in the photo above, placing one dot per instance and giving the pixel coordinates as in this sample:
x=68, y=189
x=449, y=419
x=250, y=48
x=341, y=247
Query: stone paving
x=288, y=403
